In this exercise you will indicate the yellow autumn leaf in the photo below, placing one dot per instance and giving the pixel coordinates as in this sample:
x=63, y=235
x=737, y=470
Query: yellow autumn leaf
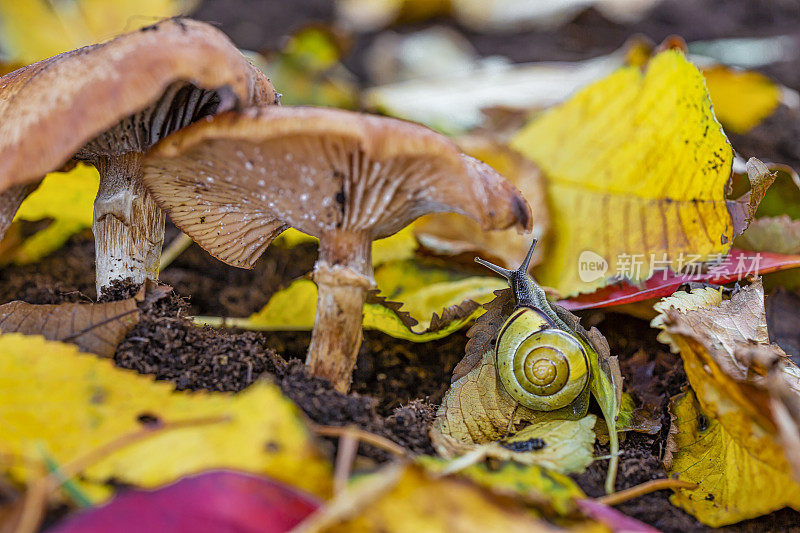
x=402, y=498
x=65, y=197
x=635, y=164
x=515, y=479
x=436, y=301
x=294, y=308
x=38, y=29
x=742, y=99
x=69, y=403
x=733, y=483
x=397, y=247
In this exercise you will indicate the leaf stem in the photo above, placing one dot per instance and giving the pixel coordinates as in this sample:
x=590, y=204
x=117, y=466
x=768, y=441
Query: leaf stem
x=645, y=488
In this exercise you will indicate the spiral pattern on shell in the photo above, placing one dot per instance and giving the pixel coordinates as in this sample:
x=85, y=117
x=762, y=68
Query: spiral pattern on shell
x=542, y=367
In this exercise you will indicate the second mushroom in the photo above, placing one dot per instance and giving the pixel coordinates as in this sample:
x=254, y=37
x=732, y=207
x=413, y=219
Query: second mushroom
x=233, y=182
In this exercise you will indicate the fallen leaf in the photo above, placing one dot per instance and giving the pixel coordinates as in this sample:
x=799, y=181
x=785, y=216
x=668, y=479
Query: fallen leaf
x=452, y=234
x=402, y=498
x=412, y=307
x=741, y=98
x=733, y=484
x=397, y=247
x=66, y=198
x=38, y=29
x=231, y=501
x=96, y=328
x=750, y=389
x=783, y=307
x=743, y=209
x=551, y=492
x=642, y=160
x=613, y=519
x=68, y=403
x=732, y=267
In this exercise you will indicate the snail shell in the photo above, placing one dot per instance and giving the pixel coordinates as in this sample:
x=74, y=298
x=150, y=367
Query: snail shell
x=542, y=367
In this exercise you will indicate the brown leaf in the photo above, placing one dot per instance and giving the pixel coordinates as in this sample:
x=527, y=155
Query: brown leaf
x=481, y=333
x=94, y=327
x=449, y=314
x=743, y=209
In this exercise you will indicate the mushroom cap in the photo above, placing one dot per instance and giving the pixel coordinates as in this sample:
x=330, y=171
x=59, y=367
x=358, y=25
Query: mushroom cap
x=233, y=181
x=50, y=109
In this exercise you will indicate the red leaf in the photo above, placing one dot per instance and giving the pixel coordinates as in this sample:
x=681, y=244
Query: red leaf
x=736, y=265
x=214, y=501
x=615, y=520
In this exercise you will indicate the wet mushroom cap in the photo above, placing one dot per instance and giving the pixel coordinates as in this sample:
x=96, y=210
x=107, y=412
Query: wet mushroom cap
x=137, y=87
x=234, y=181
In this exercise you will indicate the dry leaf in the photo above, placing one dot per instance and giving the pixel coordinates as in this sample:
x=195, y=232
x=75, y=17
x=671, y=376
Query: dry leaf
x=67, y=403
x=453, y=234
x=635, y=163
x=750, y=389
x=96, y=328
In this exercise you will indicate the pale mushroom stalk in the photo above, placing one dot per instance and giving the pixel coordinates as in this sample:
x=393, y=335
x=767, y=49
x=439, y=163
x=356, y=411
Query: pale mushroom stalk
x=343, y=274
x=128, y=224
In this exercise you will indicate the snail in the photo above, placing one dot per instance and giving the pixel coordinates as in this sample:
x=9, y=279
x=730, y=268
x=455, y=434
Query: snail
x=541, y=362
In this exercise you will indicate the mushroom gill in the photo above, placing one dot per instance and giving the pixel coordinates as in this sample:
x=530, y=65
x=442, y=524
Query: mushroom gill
x=106, y=104
x=232, y=182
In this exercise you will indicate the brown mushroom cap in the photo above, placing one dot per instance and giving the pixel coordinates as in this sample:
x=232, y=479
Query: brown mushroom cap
x=233, y=181
x=51, y=109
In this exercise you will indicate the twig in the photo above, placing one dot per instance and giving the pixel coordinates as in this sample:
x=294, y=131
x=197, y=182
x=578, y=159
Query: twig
x=645, y=488
x=345, y=455
x=364, y=436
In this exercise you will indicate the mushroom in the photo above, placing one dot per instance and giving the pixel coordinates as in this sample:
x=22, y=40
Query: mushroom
x=235, y=181
x=106, y=104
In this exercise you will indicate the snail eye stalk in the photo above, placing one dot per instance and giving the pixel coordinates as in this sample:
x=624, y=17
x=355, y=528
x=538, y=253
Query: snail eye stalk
x=506, y=273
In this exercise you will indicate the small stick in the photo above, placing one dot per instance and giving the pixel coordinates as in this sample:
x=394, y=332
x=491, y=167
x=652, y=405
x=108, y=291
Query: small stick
x=345, y=456
x=645, y=488
x=364, y=436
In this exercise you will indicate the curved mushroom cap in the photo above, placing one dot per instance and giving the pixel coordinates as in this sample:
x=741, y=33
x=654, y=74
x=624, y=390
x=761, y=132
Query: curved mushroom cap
x=51, y=109
x=233, y=181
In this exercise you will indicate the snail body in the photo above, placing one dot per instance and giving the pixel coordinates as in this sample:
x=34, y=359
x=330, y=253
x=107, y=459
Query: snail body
x=541, y=362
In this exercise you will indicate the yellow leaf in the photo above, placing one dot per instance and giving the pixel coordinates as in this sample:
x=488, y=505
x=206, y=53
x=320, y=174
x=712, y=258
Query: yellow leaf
x=397, y=247
x=65, y=197
x=734, y=484
x=294, y=308
x=406, y=498
x=552, y=489
x=71, y=403
x=742, y=99
x=635, y=164
x=38, y=29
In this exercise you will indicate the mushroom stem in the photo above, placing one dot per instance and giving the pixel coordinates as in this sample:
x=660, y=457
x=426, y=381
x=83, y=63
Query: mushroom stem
x=343, y=275
x=10, y=200
x=128, y=224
